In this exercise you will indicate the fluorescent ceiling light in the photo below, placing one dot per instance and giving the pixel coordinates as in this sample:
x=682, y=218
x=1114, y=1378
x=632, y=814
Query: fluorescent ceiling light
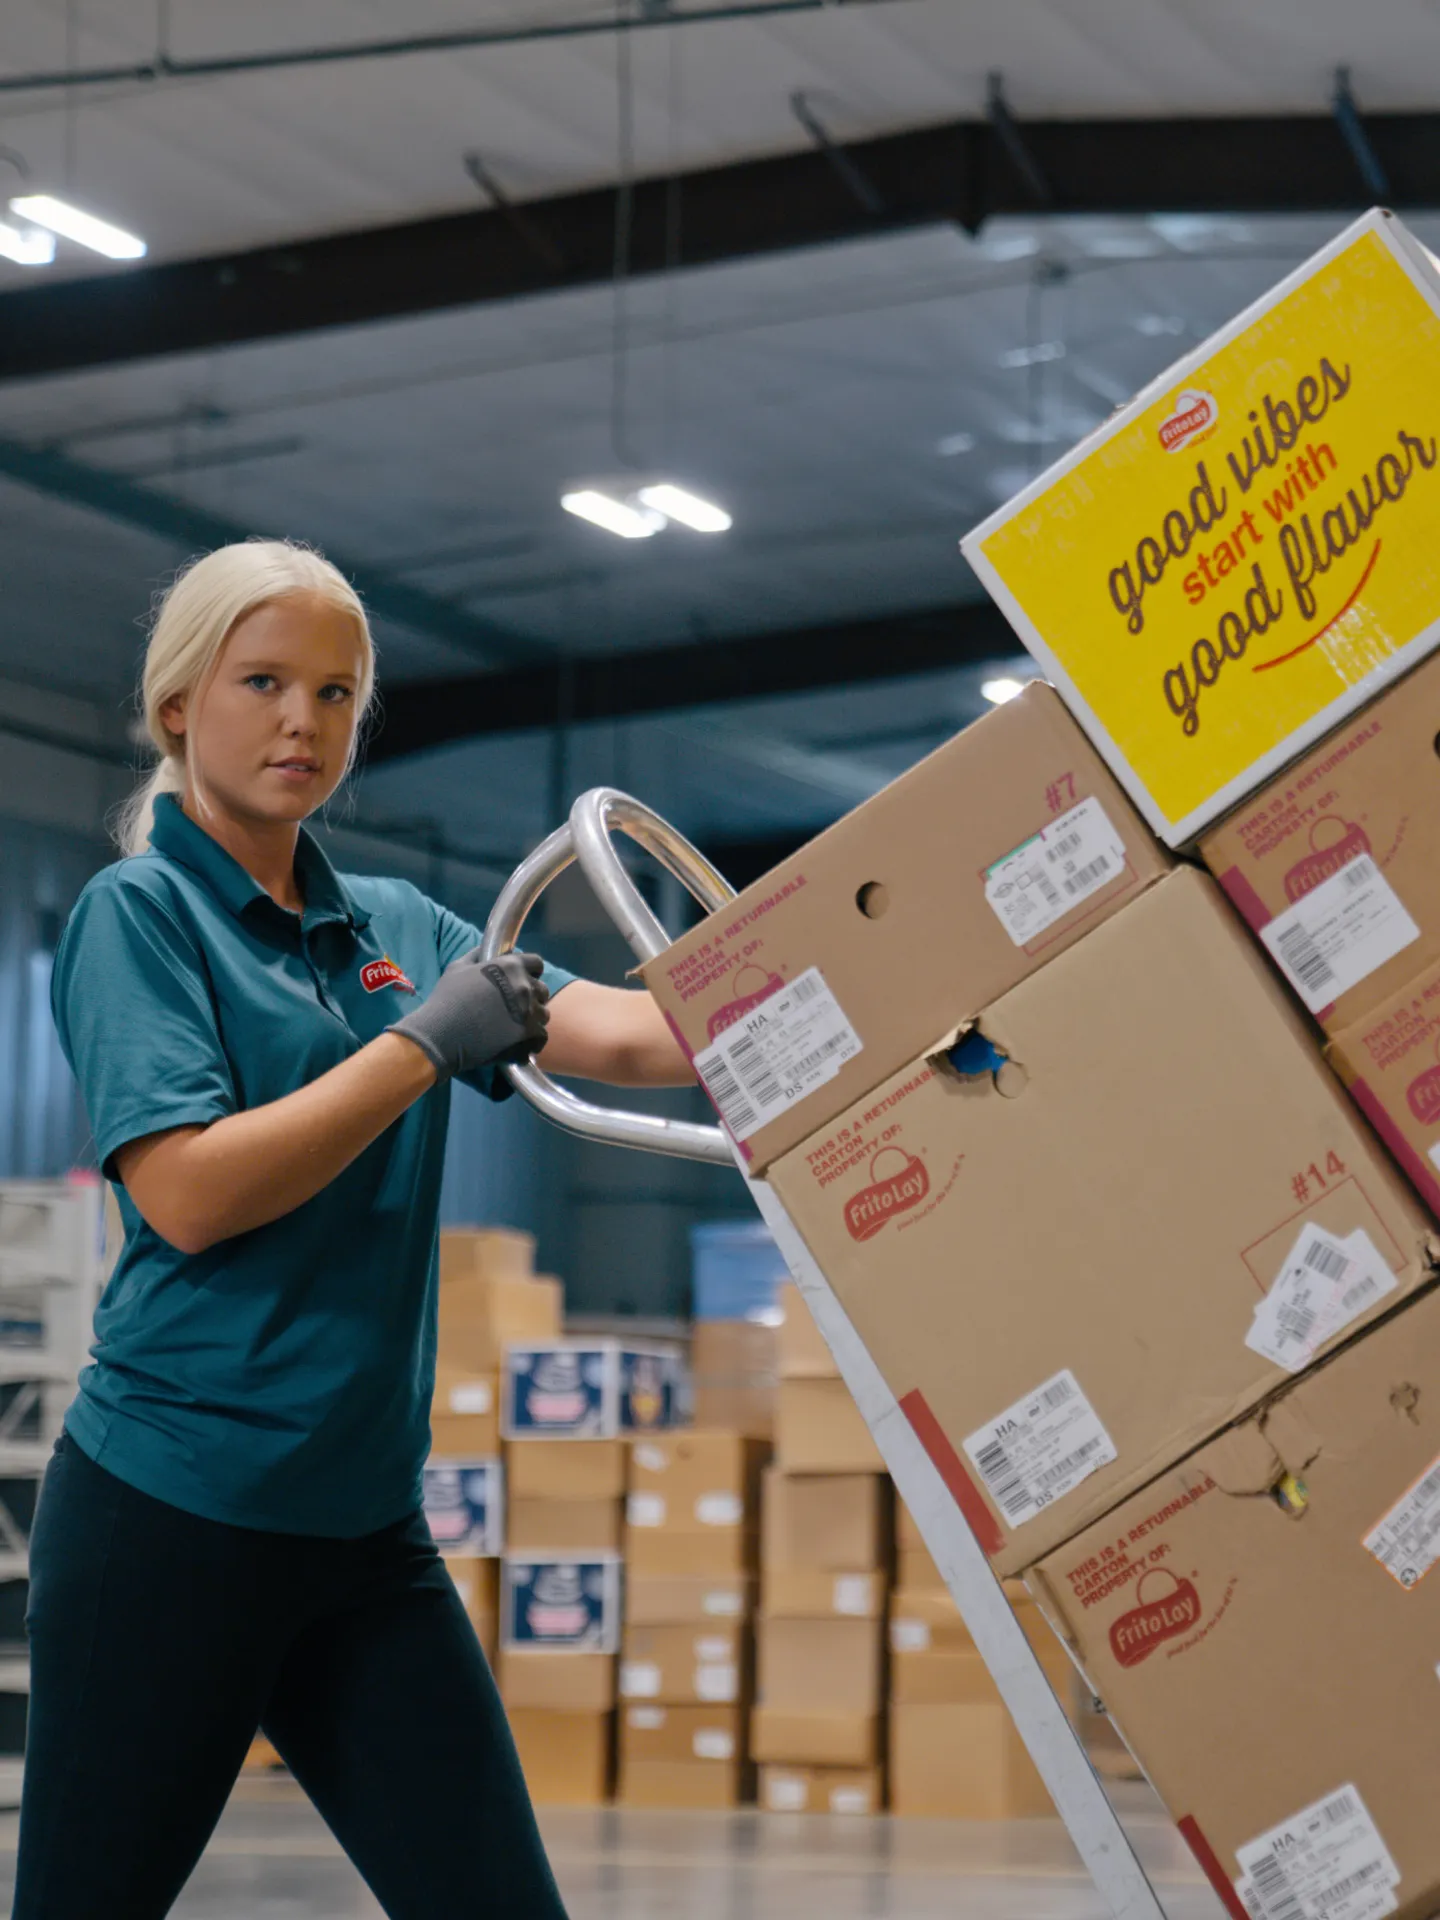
x=33, y=249
x=613, y=515
x=72, y=223
x=1001, y=247
x=702, y=516
x=1155, y=325
x=1001, y=689
x=954, y=443
x=1033, y=356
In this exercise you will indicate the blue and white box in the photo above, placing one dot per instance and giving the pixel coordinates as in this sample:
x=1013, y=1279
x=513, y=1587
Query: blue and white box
x=465, y=1506
x=561, y=1603
x=589, y=1389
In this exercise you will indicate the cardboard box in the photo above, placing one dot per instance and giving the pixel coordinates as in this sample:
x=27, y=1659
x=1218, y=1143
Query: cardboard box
x=917, y=1572
x=817, y=1593
x=786, y=997
x=733, y=1375
x=562, y=1601
x=818, y=1429
x=564, y=1526
x=686, y=1665
x=486, y=1253
x=562, y=1682
x=477, y=1582
x=1390, y=1062
x=706, y=1785
x=962, y=1763
x=920, y=1621
x=465, y=1414
x=819, y=1739
x=588, y=1389
x=465, y=1505
x=658, y=1600
x=481, y=1313
x=695, y=1481
x=1209, y=1175
x=1262, y=1624
x=819, y=1666
x=712, y=1733
x=722, y=1554
x=1195, y=576
x=821, y=1790
x=907, y=1532
x=566, y=1757
x=1336, y=865
x=837, y=1521
x=941, y=1676
x=566, y=1469
x=804, y=1354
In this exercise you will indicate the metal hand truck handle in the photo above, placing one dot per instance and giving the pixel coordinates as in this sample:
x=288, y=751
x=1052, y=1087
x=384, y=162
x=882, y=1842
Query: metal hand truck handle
x=586, y=837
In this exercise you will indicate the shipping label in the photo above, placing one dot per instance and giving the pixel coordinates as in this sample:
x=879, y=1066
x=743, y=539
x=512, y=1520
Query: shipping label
x=1324, y=1285
x=1406, y=1541
x=645, y=1510
x=1327, y=1862
x=717, y=1683
x=1338, y=934
x=1055, y=872
x=713, y=1743
x=639, y=1680
x=783, y=1049
x=1040, y=1449
x=719, y=1510
x=786, y=1793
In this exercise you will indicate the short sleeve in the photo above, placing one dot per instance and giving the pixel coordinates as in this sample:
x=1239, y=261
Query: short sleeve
x=136, y=1022
x=454, y=937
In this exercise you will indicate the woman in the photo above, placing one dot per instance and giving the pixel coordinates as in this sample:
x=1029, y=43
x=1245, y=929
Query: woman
x=230, y=1535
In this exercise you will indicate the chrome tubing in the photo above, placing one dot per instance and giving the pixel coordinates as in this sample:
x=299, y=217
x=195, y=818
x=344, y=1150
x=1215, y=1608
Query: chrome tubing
x=586, y=837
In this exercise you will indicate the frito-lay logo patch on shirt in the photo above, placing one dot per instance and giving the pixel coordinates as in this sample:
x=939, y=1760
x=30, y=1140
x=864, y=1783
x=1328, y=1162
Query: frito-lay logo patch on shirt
x=384, y=973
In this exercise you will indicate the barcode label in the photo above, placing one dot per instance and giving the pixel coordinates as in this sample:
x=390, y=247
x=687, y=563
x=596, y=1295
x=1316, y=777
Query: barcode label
x=1327, y=1862
x=1338, y=934
x=1050, y=875
x=1324, y=1286
x=1041, y=1449
x=777, y=1053
x=1406, y=1541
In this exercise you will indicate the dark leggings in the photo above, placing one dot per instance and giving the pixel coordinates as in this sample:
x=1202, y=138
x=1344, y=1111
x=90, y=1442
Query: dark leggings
x=160, y=1642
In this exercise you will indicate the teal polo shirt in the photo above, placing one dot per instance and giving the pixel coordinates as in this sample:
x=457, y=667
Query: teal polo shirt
x=282, y=1379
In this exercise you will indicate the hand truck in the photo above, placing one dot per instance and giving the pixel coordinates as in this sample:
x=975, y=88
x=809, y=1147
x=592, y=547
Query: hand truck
x=1053, y=1744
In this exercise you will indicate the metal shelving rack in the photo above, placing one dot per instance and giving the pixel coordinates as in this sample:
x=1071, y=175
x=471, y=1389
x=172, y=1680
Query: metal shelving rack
x=52, y=1267
x=1080, y=1798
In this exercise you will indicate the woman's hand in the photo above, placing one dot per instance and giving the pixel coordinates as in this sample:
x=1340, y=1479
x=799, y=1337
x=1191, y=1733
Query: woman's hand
x=614, y=1034
x=481, y=1011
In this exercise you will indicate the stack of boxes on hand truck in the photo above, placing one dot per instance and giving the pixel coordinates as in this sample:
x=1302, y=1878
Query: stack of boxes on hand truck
x=567, y=1410
x=1065, y=1146
x=818, y=1728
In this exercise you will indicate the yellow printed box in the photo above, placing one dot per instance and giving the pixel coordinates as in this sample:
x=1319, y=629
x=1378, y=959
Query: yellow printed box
x=1247, y=552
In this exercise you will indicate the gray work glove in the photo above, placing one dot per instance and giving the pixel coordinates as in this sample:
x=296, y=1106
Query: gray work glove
x=481, y=1012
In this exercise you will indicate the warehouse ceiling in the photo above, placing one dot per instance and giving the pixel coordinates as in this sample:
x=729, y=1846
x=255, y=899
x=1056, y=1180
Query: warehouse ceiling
x=855, y=405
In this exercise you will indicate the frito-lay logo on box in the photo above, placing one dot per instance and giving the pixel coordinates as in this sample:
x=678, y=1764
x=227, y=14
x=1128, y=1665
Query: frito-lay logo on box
x=1332, y=844
x=1196, y=417
x=1217, y=574
x=736, y=1009
x=898, y=1181
x=1171, y=1610
x=384, y=973
x=1423, y=1096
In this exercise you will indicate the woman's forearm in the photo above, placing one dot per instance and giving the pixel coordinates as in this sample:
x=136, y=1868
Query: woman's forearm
x=198, y=1185
x=613, y=1034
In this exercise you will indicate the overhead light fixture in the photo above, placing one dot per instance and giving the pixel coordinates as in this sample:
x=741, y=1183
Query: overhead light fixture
x=954, y=443
x=701, y=516
x=1033, y=356
x=615, y=516
x=1004, y=687
x=73, y=223
x=32, y=248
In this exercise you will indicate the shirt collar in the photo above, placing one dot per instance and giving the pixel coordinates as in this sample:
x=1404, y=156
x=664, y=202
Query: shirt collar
x=327, y=898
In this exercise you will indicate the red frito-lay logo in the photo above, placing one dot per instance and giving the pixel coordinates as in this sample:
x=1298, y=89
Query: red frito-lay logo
x=898, y=1181
x=1333, y=844
x=1423, y=1096
x=1195, y=417
x=1165, y=1616
x=384, y=973
x=749, y=998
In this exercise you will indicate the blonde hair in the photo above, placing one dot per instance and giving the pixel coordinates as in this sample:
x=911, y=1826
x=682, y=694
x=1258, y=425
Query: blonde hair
x=193, y=620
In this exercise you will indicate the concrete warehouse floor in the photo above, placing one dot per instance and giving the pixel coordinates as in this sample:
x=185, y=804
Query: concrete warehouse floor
x=272, y=1857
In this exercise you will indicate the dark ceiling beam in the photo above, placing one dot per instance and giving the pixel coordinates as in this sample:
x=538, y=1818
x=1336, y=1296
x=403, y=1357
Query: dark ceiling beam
x=626, y=686
x=955, y=172
x=196, y=530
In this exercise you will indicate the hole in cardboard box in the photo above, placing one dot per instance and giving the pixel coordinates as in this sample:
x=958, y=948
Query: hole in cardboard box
x=975, y=1057
x=1406, y=1399
x=873, y=899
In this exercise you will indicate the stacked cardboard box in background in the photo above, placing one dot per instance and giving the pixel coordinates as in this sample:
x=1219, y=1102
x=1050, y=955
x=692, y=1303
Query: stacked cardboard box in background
x=489, y=1296
x=825, y=1576
x=735, y=1272
x=692, y=1520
